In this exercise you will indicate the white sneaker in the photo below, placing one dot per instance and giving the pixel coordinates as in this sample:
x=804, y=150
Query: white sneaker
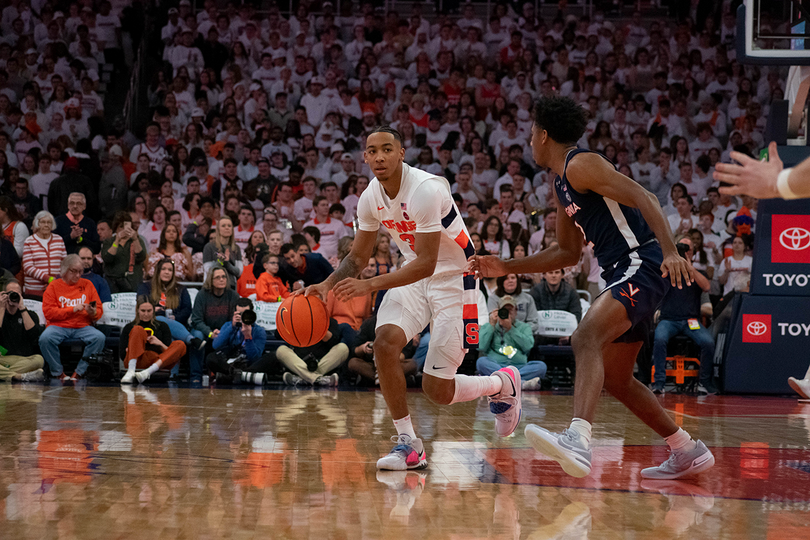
x=406, y=455
x=33, y=376
x=128, y=377
x=327, y=380
x=142, y=376
x=291, y=379
x=800, y=386
x=531, y=384
x=565, y=448
x=681, y=464
x=506, y=405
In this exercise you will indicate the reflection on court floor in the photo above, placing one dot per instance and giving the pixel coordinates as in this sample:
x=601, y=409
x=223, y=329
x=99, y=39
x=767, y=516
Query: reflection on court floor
x=102, y=462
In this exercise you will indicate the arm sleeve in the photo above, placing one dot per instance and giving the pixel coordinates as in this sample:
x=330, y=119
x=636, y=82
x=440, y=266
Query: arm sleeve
x=531, y=315
x=521, y=335
x=367, y=217
x=20, y=234
x=197, y=321
x=183, y=311
x=255, y=347
x=223, y=337
x=29, y=267
x=50, y=308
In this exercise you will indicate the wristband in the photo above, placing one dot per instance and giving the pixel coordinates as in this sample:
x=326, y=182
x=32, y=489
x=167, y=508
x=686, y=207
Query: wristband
x=79, y=240
x=115, y=245
x=51, y=279
x=210, y=334
x=783, y=187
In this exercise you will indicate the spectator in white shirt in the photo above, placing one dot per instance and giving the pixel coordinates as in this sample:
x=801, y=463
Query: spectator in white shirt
x=331, y=230
x=315, y=103
x=684, y=220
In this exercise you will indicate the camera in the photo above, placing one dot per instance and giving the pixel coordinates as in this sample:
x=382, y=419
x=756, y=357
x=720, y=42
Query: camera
x=248, y=318
x=14, y=296
x=683, y=249
x=503, y=313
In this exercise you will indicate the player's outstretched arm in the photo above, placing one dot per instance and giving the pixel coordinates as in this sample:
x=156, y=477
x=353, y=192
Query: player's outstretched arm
x=350, y=266
x=590, y=172
x=426, y=247
x=764, y=179
x=566, y=252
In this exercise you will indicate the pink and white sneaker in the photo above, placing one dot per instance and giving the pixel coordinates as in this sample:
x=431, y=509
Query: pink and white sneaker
x=408, y=454
x=506, y=404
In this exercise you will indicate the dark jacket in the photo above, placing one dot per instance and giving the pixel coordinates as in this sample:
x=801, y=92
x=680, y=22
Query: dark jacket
x=28, y=207
x=183, y=310
x=232, y=342
x=161, y=330
x=102, y=288
x=565, y=299
x=193, y=239
x=317, y=270
x=8, y=256
x=211, y=312
x=88, y=239
x=16, y=339
x=116, y=267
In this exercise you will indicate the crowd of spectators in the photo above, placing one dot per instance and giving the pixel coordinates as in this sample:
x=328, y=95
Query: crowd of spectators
x=249, y=171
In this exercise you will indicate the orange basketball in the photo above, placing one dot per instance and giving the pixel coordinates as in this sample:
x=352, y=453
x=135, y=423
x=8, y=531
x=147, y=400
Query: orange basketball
x=302, y=321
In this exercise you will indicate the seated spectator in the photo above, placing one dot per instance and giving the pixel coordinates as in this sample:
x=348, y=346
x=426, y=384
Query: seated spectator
x=509, y=285
x=312, y=365
x=680, y=316
x=196, y=235
x=302, y=270
x=172, y=303
x=554, y=293
x=246, y=284
x=224, y=252
x=269, y=287
x=19, y=336
x=239, y=350
x=361, y=361
x=103, y=290
x=123, y=255
x=506, y=341
x=43, y=252
x=247, y=226
x=71, y=306
x=172, y=248
x=143, y=344
x=351, y=314
x=75, y=228
x=734, y=273
x=213, y=307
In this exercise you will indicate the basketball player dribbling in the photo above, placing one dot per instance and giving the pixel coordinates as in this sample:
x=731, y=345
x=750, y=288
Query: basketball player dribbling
x=639, y=262
x=431, y=288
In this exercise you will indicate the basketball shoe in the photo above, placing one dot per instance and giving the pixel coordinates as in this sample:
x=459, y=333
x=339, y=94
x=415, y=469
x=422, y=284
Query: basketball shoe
x=681, y=464
x=800, y=386
x=408, y=454
x=565, y=448
x=506, y=404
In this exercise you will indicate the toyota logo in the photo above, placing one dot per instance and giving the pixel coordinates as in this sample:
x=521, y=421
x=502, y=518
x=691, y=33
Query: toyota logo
x=757, y=328
x=795, y=238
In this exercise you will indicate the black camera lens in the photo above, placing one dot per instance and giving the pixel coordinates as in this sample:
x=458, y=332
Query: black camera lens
x=503, y=313
x=14, y=296
x=249, y=317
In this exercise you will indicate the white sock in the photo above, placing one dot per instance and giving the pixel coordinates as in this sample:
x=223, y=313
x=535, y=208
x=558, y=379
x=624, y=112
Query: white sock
x=469, y=388
x=680, y=441
x=132, y=365
x=404, y=427
x=583, y=427
x=154, y=367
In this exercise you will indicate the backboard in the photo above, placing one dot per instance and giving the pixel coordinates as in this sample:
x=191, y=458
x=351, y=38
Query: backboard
x=774, y=32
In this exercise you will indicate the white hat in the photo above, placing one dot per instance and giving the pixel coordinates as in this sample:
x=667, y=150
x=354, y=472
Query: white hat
x=115, y=150
x=255, y=86
x=196, y=111
x=337, y=147
x=58, y=14
x=347, y=156
x=316, y=80
x=173, y=11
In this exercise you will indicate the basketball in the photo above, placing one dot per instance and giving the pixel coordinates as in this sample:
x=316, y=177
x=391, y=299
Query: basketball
x=302, y=321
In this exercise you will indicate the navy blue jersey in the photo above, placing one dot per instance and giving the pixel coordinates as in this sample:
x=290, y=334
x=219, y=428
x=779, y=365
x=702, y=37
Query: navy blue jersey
x=614, y=229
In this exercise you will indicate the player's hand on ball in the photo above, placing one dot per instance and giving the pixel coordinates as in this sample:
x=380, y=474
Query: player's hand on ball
x=319, y=290
x=486, y=266
x=678, y=270
x=350, y=287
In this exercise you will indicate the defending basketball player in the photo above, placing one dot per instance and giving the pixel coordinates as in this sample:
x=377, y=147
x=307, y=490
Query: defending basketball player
x=418, y=210
x=639, y=262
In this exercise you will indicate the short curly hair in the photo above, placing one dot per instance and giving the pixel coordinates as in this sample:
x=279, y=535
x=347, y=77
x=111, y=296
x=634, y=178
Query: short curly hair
x=561, y=117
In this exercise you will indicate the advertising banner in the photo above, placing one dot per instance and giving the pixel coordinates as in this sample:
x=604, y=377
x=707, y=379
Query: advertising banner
x=768, y=342
x=782, y=249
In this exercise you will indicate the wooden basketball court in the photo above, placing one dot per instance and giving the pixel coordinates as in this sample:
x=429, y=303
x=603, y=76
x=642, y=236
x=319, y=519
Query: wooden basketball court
x=102, y=463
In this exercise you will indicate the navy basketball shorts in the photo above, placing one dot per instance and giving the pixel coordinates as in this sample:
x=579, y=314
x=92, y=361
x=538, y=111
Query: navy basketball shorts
x=636, y=282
